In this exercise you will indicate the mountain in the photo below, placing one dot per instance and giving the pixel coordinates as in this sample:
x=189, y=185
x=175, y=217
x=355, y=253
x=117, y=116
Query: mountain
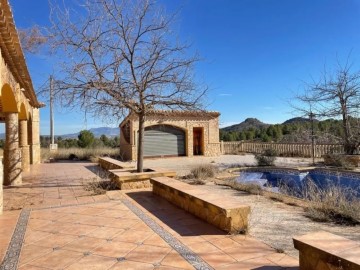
x=298, y=120
x=248, y=123
x=109, y=132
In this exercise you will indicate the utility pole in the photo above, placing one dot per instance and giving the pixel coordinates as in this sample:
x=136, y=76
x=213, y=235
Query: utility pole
x=53, y=146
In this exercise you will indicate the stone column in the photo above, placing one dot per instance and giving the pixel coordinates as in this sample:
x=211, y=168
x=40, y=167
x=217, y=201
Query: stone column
x=1, y=186
x=12, y=153
x=35, y=138
x=25, y=149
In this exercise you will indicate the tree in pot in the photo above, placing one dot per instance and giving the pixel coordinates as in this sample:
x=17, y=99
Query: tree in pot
x=120, y=57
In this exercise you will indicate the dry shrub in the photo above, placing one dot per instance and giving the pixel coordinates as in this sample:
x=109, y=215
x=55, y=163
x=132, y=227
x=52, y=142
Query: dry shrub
x=333, y=203
x=98, y=187
x=204, y=171
x=266, y=158
x=79, y=153
x=338, y=160
x=247, y=187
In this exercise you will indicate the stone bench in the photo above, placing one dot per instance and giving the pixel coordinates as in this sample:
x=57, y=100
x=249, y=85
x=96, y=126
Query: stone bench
x=213, y=208
x=327, y=251
x=131, y=179
x=108, y=163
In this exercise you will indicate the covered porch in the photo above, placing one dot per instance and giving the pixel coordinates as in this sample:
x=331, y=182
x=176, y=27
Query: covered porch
x=19, y=107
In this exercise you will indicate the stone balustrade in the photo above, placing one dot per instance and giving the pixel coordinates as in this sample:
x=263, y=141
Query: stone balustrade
x=286, y=149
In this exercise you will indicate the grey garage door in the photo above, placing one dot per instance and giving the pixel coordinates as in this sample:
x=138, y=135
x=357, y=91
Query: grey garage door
x=164, y=141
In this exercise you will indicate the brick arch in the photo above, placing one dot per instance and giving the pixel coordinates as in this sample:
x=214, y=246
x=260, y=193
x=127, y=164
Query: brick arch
x=8, y=99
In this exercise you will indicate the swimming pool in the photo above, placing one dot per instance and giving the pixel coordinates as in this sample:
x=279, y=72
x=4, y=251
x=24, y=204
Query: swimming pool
x=275, y=179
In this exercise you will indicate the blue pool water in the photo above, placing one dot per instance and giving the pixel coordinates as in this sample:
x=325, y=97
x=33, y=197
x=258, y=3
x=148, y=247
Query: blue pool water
x=276, y=179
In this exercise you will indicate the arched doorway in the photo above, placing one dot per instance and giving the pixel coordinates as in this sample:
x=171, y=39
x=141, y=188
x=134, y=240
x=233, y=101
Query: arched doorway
x=164, y=140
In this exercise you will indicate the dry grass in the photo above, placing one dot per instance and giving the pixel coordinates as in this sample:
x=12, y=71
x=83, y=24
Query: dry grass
x=203, y=171
x=1, y=152
x=98, y=187
x=246, y=187
x=332, y=204
x=79, y=153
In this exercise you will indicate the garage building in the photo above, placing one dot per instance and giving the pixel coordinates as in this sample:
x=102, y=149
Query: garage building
x=172, y=133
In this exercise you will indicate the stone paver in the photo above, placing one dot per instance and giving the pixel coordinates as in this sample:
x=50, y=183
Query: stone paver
x=104, y=232
x=53, y=184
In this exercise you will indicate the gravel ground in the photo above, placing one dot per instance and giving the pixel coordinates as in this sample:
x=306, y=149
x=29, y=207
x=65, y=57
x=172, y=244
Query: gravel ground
x=276, y=223
x=183, y=165
x=272, y=222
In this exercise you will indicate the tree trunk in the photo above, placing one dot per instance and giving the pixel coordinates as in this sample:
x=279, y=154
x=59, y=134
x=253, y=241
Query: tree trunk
x=349, y=145
x=140, y=149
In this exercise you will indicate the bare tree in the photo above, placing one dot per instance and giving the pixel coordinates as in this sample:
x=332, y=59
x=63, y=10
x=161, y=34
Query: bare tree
x=32, y=39
x=120, y=57
x=337, y=95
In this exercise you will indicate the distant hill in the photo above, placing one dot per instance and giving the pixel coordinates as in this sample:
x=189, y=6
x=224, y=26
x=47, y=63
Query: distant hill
x=298, y=120
x=245, y=125
x=109, y=132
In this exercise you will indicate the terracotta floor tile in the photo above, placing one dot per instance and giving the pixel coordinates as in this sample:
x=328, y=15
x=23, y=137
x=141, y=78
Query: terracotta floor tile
x=243, y=253
x=217, y=259
x=101, y=198
x=31, y=252
x=93, y=211
x=203, y=247
x=56, y=240
x=77, y=229
x=224, y=243
x=33, y=236
x=106, y=232
x=283, y=260
x=114, y=249
x=163, y=267
x=84, y=244
x=85, y=199
x=155, y=240
x=129, y=265
x=258, y=263
x=148, y=254
x=31, y=267
x=38, y=223
x=122, y=223
x=54, y=227
x=93, y=262
x=114, y=213
x=188, y=240
x=173, y=259
x=58, y=259
x=133, y=236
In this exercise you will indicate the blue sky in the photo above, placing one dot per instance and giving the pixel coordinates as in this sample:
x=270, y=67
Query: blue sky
x=257, y=53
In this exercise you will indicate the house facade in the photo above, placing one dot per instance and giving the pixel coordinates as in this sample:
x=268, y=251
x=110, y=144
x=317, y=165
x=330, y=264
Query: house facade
x=172, y=133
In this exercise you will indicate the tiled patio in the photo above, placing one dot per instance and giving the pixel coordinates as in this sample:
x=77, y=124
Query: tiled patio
x=133, y=230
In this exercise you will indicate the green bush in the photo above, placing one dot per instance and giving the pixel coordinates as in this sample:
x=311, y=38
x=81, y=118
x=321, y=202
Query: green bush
x=266, y=158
